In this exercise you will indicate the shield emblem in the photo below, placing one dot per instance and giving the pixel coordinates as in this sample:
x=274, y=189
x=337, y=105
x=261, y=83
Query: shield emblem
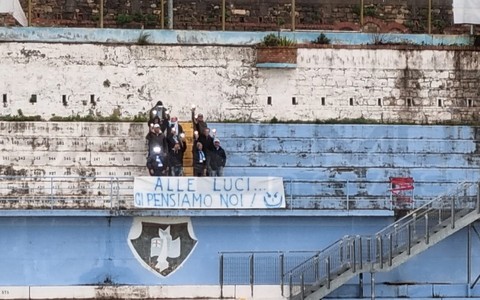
x=161, y=245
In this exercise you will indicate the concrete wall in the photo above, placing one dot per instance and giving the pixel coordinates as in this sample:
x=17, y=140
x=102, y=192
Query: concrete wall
x=89, y=257
x=328, y=83
x=323, y=166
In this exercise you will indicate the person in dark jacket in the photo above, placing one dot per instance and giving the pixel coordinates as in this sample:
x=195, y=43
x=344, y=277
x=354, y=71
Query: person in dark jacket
x=199, y=161
x=217, y=160
x=175, y=159
x=156, y=163
x=199, y=123
x=159, y=114
x=156, y=138
x=207, y=142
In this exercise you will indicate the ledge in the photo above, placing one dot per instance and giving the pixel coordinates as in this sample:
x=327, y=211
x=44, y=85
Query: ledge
x=193, y=213
x=276, y=65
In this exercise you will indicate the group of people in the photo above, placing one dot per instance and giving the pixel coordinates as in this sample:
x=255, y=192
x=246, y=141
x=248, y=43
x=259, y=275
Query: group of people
x=167, y=145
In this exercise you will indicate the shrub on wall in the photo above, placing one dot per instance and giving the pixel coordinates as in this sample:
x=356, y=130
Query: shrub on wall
x=322, y=39
x=273, y=40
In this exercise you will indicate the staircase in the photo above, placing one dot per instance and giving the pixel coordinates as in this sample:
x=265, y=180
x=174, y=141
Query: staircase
x=188, y=155
x=332, y=267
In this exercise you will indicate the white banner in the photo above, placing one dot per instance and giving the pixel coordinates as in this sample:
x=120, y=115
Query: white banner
x=209, y=192
x=14, y=8
x=466, y=11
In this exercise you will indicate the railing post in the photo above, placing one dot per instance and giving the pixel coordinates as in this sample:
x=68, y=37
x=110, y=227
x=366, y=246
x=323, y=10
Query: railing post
x=111, y=192
x=221, y=275
x=478, y=198
x=395, y=231
x=316, y=268
x=390, y=250
x=354, y=256
x=372, y=283
x=453, y=212
x=341, y=252
x=348, y=196
x=380, y=250
x=290, y=288
x=360, y=252
x=327, y=268
x=51, y=192
x=414, y=231
x=369, y=249
x=252, y=270
x=302, y=286
x=409, y=238
x=360, y=285
x=282, y=269
x=291, y=194
x=427, y=230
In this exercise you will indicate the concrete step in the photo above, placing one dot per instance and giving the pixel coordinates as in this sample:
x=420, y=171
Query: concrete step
x=188, y=156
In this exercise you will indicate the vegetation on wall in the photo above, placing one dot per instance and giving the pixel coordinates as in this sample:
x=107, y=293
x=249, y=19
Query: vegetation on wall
x=322, y=39
x=274, y=40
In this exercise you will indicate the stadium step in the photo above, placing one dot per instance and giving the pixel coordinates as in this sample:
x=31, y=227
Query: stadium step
x=188, y=156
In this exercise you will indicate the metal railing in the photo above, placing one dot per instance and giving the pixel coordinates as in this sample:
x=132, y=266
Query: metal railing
x=258, y=267
x=382, y=250
x=117, y=193
x=65, y=192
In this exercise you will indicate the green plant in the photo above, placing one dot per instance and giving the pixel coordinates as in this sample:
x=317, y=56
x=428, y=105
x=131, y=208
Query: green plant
x=143, y=39
x=439, y=24
x=137, y=17
x=151, y=20
x=141, y=117
x=322, y=40
x=123, y=19
x=370, y=11
x=379, y=39
x=272, y=40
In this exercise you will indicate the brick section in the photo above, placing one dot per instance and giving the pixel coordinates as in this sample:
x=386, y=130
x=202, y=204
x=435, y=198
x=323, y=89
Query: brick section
x=277, y=55
x=248, y=15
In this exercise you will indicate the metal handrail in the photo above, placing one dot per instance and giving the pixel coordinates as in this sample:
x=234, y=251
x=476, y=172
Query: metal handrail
x=375, y=252
x=102, y=192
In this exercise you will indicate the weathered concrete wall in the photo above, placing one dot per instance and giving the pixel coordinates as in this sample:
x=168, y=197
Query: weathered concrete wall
x=323, y=166
x=409, y=84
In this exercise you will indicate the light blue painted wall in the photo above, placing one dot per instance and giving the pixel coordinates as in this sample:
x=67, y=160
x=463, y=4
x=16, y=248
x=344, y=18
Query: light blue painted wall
x=76, y=250
x=307, y=156
x=92, y=250
x=185, y=37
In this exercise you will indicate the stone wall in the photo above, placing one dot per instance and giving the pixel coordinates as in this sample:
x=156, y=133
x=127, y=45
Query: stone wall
x=388, y=84
x=381, y=16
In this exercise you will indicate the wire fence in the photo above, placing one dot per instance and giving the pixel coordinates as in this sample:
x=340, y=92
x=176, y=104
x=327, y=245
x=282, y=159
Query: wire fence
x=408, y=16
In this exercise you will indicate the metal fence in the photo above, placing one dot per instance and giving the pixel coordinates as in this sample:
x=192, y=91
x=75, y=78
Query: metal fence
x=260, y=267
x=117, y=193
x=65, y=192
x=431, y=16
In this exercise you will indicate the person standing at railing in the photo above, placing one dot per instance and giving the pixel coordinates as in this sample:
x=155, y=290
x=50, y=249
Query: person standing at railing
x=156, y=163
x=159, y=114
x=198, y=121
x=175, y=159
x=217, y=160
x=156, y=138
x=173, y=124
x=207, y=142
x=199, y=161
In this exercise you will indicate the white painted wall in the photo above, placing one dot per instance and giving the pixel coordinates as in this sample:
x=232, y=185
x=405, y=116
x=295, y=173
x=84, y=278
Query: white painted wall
x=225, y=84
